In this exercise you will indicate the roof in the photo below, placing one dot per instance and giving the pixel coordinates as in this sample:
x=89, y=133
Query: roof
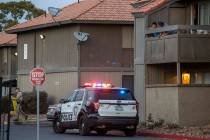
x=8, y=39
x=147, y=6
x=87, y=11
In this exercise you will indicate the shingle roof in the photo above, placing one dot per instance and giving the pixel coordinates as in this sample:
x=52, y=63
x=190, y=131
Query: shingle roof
x=86, y=11
x=7, y=39
x=149, y=5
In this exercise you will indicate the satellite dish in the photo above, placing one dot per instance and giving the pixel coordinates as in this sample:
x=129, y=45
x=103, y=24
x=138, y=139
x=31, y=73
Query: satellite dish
x=81, y=36
x=54, y=11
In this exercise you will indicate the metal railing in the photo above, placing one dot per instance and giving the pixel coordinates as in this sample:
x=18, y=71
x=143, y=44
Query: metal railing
x=179, y=29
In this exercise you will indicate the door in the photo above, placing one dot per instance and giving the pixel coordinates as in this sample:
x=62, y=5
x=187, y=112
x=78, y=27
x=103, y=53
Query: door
x=128, y=82
x=77, y=101
x=67, y=109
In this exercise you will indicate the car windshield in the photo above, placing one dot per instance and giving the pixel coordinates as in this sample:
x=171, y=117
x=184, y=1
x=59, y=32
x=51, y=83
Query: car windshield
x=110, y=94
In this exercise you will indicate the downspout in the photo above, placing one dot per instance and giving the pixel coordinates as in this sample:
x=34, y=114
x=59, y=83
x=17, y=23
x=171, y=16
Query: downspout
x=191, y=15
x=35, y=49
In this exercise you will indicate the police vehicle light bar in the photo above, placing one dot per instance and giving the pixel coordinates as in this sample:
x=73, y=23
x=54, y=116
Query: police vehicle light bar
x=102, y=85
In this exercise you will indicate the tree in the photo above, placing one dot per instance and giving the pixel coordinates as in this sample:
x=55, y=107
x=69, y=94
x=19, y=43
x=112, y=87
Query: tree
x=12, y=13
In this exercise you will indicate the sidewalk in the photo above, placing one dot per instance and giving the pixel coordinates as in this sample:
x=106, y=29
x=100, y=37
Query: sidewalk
x=32, y=121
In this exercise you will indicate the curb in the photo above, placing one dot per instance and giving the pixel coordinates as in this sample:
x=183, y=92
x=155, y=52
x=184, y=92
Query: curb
x=32, y=122
x=168, y=136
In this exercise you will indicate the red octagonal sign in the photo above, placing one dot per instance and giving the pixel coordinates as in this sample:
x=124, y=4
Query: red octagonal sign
x=37, y=76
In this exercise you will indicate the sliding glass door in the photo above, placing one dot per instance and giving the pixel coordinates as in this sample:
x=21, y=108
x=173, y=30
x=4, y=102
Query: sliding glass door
x=204, y=13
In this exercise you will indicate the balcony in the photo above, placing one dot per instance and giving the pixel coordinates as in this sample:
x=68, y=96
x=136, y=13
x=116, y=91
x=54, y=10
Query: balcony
x=180, y=43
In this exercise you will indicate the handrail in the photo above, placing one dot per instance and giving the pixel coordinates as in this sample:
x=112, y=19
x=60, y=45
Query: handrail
x=178, y=28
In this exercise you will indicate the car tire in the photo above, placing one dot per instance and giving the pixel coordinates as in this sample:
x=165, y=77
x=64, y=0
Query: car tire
x=101, y=132
x=130, y=133
x=84, y=130
x=57, y=127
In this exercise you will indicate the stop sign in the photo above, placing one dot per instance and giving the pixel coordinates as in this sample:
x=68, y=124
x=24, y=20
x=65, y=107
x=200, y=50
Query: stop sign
x=37, y=76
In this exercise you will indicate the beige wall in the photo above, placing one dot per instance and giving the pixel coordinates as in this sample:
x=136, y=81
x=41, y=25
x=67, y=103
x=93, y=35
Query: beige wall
x=186, y=106
x=194, y=105
x=162, y=103
x=107, y=46
x=58, y=51
x=104, y=56
x=24, y=83
x=57, y=85
x=114, y=78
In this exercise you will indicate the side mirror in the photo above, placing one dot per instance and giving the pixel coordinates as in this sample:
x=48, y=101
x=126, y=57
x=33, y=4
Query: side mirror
x=88, y=104
x=62, y=101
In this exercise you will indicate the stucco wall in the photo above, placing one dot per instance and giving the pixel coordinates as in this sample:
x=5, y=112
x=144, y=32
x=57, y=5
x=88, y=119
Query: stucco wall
x=57, y=85
x=107, y=46
x=162, y=103
x=114, y=78
x=194, y=105
x=57, y=52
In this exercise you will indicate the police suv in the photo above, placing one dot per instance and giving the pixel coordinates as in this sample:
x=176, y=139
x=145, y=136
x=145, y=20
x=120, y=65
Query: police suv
x=98, y=107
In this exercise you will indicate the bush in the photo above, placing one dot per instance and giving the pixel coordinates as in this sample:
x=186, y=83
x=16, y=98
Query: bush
x=172, y=126
x=29, y=102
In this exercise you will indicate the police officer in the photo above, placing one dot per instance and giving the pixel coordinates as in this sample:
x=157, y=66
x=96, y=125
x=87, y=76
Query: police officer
x=19, y=97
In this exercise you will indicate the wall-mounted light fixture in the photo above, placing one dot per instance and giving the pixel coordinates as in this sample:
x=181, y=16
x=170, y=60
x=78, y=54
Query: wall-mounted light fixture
x=186, y=78
x=42, y=36
x=16, y=54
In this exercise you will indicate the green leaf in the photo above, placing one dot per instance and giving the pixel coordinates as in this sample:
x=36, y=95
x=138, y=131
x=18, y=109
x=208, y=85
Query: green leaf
x=12, y=13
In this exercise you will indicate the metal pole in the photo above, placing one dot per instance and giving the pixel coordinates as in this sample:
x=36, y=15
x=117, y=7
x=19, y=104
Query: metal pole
x=9, y=109
x=78, y=63
x=0, y=103
x=37, y=107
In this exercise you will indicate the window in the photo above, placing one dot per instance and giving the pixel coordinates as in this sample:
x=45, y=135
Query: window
x=79, y=96
x=198, y=78
x=5, y=55
x=204, y=16
x=25, y=51
x=107, y=94
x=71, y=97
x=185, y=78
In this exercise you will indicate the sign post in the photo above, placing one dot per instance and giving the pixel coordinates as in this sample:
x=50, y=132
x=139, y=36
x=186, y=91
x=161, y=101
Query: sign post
x=37, y=78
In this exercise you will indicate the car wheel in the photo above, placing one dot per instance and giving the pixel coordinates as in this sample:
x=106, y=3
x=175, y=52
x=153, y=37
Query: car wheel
x=130, y=133
x=57, y=127
x=101, y=132
x=83, y=126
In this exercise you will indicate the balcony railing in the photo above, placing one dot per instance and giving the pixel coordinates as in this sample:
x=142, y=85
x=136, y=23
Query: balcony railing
x=178, y=43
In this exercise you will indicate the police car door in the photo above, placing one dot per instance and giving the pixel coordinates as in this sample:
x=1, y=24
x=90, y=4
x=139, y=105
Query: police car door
x=78, y=100
x=67, y=108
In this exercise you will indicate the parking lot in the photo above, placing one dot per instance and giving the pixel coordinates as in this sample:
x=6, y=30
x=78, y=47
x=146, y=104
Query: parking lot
x=28, y=132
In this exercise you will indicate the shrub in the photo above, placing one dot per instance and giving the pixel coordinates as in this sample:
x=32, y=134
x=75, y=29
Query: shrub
x=159, y=123
x=29, y=102
x=172, y=126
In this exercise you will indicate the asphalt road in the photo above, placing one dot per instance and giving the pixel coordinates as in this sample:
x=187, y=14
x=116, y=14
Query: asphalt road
x=28, y=132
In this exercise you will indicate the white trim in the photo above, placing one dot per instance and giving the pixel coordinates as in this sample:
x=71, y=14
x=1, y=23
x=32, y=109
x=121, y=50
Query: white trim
x=25, y=51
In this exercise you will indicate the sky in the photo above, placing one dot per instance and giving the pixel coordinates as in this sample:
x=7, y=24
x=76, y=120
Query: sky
x=44, y=4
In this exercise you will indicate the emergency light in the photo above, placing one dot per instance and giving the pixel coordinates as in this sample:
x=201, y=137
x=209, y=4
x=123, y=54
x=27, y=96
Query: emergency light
x=102, y=85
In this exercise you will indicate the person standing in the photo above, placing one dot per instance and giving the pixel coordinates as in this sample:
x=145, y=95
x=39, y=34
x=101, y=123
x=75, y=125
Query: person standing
x=19, y=96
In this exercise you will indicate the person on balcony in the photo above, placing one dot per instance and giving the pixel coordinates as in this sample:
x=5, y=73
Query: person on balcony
x=154, y=26
x=161, y=25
